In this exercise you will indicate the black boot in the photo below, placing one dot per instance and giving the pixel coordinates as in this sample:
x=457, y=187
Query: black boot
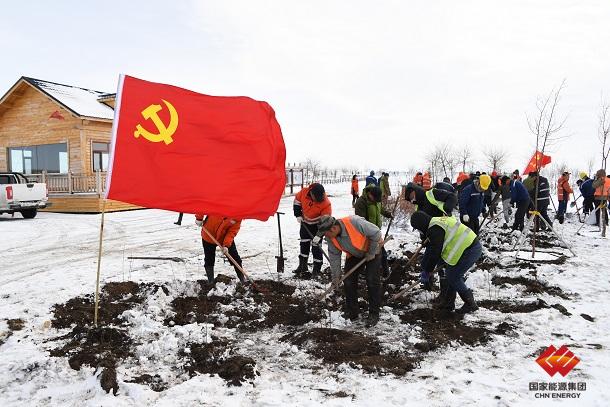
x=316, y=272
x=302, y=266
x=209, y=271
x=372, y=319
x=469, y=304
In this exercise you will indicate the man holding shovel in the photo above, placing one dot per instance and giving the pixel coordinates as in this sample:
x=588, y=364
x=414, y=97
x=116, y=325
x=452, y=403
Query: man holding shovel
x=457, y=246
x=222, y=230
x=359, y=239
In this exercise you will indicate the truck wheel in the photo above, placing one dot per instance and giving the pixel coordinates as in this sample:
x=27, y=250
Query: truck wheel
x=29, y=213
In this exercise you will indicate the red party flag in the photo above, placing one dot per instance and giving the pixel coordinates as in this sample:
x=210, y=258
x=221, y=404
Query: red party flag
x=542, y=161
x=183, y=151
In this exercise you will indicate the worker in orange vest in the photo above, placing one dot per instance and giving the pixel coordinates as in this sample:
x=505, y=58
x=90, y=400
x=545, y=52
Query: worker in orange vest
x=602, y=194
x=355, y=189
x=309, y=205
x=358, y=239
x=224, y=230
x=426, y=181
x=563, y=195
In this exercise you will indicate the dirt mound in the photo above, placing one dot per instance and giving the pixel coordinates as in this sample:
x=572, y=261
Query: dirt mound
x=217, y=357
x=439, y=329
x=95, y=347
x=513, y=307
x=15, y=324
x=284, y=308
x=335, y=346
x=190, y=310
x=531, y=286
x=115, y=298
x=154, y=382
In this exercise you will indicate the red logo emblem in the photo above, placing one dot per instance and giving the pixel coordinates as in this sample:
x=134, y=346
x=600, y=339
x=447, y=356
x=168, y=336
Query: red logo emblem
x=555, y=360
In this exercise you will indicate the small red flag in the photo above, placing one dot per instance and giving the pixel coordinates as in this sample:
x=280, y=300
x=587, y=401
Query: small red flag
x=542, y=161
x=56, y=115
x=187, y=152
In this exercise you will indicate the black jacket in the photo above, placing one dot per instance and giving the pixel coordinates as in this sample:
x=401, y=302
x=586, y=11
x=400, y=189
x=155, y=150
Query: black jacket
x=449, y=199
x=544, y=192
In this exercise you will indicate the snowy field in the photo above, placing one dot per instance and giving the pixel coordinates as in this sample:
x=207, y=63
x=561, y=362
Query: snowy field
x=52, y=259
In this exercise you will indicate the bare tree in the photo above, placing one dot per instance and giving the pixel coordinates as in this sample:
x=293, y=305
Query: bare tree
x=496, y=157
x=545, y=125
x=464, y=157
x=311, y=168
x=603, y=131
x=590, y=165
x=442, y=161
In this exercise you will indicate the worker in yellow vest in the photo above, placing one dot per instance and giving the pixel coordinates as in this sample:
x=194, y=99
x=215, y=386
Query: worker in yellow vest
x=458, y=247
x=358, y=239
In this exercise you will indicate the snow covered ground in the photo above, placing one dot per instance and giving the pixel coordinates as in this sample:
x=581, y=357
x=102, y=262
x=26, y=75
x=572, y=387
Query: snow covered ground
x=52, y=258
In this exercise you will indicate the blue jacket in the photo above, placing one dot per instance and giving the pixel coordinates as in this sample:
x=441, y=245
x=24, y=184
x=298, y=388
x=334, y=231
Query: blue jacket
x=471, y=202
x=371, y=180
x=518, y=192
x=586, y=189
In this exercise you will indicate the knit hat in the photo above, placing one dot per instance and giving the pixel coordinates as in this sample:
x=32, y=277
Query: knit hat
x=326, y=222
x=420, y=221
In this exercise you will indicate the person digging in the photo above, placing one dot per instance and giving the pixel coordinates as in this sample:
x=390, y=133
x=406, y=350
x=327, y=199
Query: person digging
x=359, y=239
x=224, y=231
x=458, y=247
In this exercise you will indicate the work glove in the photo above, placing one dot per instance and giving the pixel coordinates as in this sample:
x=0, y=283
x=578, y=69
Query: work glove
x=299, y=219
x=369, y=256
x=198, y=222
x=465, y=218
x=225, y=250
x=316, y=240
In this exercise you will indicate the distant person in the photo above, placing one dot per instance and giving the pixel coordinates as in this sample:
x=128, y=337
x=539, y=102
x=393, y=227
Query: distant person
x=179, y=221
x=355, y=189
x=563, y=195
x=384, y=184
x=601, y=185
x=521, y=198
x=371, y=179
x=587, y=192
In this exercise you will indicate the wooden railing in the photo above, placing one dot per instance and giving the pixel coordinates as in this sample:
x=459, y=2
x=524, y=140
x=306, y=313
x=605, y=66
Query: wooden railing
x=72, y=183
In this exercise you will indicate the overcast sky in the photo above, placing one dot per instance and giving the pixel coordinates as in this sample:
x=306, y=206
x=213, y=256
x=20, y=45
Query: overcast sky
x=360, y=83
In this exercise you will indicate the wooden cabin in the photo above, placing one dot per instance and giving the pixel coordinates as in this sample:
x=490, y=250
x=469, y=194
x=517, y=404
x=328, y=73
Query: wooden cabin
x=59, y=134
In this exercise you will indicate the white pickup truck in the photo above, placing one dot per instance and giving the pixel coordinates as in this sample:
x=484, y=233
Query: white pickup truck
x=17, y=194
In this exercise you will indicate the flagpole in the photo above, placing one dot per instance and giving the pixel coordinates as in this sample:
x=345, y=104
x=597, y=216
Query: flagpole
x=99, y=263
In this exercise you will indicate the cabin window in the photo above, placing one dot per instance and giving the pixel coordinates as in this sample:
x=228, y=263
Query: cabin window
x=52, y=158
x=99, y=158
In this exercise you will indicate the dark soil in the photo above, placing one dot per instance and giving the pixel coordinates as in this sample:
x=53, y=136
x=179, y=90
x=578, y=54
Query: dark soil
x=94, y=347
x=217, y=357
x=108, y=380
x=531, y=286
x=284, y=308
x=588, y=317
x=335, y=346
x=154, y=382
x=15, y=324
x=439, y=329
x=115, y=298
x=400, y=272
x=513, y=307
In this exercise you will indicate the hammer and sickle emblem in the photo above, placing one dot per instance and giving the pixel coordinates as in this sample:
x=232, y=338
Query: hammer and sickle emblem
x=165, y=132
